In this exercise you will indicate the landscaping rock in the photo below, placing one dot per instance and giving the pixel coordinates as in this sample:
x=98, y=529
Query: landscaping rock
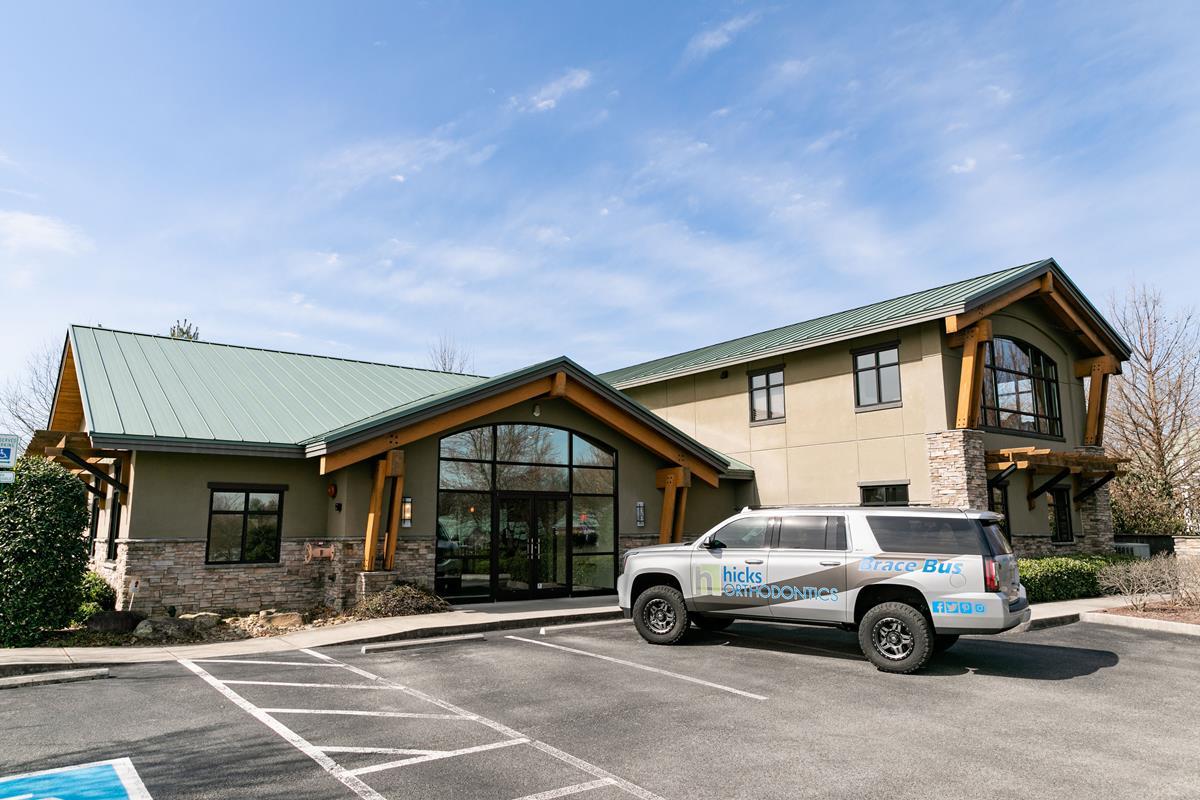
x=114, y=621
x=285, y=619
x=202, y=620
x=163, y=628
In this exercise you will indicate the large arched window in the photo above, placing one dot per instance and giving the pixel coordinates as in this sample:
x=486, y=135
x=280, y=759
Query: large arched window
x=1020, y=388
x=525, y=510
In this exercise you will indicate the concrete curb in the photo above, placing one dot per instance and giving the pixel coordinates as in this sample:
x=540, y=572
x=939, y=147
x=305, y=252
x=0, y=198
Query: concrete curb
x=44, y=678
x=449, y=629
x=1140, y=623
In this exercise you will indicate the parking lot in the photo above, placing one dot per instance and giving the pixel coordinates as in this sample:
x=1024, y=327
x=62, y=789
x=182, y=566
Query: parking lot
x=759, y=711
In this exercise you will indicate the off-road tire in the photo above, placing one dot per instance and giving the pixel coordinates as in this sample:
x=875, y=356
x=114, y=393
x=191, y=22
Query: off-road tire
x=896, y=637
x=943, y=642
x=707, y=623
x=660, y=615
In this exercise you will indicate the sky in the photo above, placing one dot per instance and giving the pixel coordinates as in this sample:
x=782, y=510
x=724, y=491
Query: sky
x=610, y=181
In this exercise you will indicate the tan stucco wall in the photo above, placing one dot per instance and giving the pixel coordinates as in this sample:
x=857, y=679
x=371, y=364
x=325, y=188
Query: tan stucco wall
x=824, y=448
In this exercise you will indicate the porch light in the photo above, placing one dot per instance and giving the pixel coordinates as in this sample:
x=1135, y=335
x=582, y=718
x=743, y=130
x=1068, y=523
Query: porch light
x=406, y=512
x=639, y=513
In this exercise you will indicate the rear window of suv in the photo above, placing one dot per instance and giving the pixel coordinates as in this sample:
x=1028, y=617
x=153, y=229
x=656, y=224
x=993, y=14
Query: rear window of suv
x=943, y=535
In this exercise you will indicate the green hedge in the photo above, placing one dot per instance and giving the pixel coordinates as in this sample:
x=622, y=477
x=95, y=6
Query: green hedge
x=1063, y=577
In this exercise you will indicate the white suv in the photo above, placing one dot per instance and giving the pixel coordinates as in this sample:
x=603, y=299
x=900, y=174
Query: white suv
x=909, y=580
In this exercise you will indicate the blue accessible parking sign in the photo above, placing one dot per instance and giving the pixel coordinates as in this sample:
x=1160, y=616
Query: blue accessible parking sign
x=100, y=780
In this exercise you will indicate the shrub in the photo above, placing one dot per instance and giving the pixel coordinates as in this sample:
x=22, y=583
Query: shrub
x=1054, y=578
x=400, y=601
x=43, y=554
x=1138, y=581
x=96, y=590
x=85, y=611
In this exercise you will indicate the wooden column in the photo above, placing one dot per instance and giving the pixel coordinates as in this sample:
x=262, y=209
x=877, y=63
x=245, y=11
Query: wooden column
x=680, y=512
x=671, y=480
x=371, y=542
x=1097, y=370
x=395, y=471
x=970, y=383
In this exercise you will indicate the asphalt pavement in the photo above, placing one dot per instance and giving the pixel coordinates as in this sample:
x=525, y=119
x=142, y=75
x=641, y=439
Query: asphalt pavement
x=758, y=711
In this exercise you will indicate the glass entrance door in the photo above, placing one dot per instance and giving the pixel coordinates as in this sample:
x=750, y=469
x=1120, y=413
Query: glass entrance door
x=531, y=546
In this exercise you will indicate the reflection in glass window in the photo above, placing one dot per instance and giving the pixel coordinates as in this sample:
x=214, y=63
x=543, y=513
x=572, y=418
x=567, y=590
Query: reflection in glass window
x=462, y=565
x=803, y=533
x=594, y=481
x=531, y=444
x=877, y=377
x=474, y=444
x=1020, y=388
x=244, y=526
x=465, y=475
x=745, y=532
x=593, y=525
x=586, y=454
x=766, y=395
x=525, y=478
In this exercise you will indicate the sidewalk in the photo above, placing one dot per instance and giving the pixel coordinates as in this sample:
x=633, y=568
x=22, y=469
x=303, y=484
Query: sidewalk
x=1048, y=615
x=463, y=619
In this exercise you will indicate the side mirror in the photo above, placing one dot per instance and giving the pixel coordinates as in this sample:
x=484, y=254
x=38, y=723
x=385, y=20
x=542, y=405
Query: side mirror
x=712, y=543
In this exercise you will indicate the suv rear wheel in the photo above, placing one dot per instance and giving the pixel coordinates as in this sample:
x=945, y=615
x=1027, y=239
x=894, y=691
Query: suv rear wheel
x=896, y=637
x=660, y=615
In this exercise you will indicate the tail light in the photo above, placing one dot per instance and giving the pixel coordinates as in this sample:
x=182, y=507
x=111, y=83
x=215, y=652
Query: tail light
x=991, y=576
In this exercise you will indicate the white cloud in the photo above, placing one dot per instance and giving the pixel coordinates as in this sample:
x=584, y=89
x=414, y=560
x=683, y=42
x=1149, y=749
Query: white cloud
x=548, y=97
x=709, y=41
x=999, y=94
x=398, y=178
x=24, y=232
x=355, y=166
x=964, y=166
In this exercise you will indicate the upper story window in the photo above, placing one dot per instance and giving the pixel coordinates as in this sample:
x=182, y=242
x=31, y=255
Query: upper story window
x=1020, y=389
x=877, y=376
x=244, y=524
x=766, y=395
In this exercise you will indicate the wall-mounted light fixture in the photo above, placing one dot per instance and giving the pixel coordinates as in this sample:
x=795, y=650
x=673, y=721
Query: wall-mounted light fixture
x=406, y=512
x=639, y=513
x=537, y=409
x=331, y=490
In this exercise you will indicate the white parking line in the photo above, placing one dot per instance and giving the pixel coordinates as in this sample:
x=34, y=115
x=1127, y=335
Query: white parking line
x=313, y=685
x=554, y=628
x=404, y=762
x=349, y=777
x=355, y=713
x=566, y=790
x=297, y=741
x=656, y=670
x=268, y=663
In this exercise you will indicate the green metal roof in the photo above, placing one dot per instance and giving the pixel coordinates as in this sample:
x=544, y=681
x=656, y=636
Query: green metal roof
x=908, y=309
x=137, y=386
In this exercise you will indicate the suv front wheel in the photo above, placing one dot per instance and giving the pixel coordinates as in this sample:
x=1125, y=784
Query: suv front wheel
x=660, y=615
x=896, y=637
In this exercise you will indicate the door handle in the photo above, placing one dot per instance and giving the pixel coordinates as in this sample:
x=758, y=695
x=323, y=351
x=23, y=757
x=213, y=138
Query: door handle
x=830, y=563
x=754, y=560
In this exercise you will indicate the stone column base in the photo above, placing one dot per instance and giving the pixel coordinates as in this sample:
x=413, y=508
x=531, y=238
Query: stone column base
x=957, y=469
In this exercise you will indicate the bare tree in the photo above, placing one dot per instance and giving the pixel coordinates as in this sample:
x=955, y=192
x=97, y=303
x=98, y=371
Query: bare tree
x=446, y=355
x=185, y=330
x=25, y=401
x=1154, y=406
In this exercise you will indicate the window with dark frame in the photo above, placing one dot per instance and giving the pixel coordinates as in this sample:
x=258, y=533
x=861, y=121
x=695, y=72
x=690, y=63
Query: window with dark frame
x=1020, y=389
x=245, y=523
x=885, y=495
x=877, y=376
x=114, y=514
x=766, y=395
x=1060, y=515
x=998, y=503
x=812, y=533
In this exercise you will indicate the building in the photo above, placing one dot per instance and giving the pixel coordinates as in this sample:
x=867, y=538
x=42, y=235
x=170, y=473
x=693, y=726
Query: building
x=970, y=395
x=241, y=478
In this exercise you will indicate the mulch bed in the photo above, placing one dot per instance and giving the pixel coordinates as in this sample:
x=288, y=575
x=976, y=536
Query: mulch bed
x=1163, y=612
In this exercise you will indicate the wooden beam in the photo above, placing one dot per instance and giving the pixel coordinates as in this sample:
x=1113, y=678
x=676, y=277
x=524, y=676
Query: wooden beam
x=436, y=424
x=559, y=387
x=969, y=381
x=960, y=322
x=984, y=334
x=624, y=422
x=666, y=524
x=375, y=511
x=1034, y=494
x=395, y=463
x=1066, y=312
x=393, y=531
x=94, y=470
x=680, y=512
x=1109, y=365
x=1097, y=391
x=1092, y=488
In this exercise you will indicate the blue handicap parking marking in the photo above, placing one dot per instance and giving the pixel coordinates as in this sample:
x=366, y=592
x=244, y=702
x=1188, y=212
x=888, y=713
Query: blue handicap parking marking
x=100, y=780
x=5, y=455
